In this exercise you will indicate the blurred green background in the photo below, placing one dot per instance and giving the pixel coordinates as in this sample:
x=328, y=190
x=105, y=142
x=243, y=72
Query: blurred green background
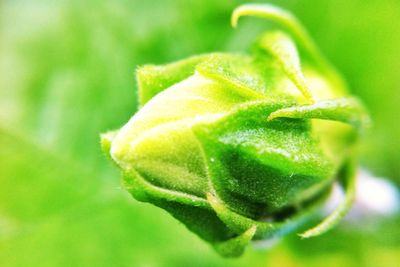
x=67, y=74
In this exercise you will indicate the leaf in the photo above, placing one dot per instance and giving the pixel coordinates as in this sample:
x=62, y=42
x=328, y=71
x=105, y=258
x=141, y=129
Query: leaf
x=48, y=203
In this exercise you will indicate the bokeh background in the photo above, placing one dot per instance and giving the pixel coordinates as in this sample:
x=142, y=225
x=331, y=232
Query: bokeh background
x=67, y=74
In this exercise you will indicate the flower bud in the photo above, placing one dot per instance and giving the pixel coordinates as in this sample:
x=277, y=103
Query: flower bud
x=242, y=147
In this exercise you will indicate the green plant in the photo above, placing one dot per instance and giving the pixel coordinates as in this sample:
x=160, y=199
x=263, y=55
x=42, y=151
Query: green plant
x=243, y=147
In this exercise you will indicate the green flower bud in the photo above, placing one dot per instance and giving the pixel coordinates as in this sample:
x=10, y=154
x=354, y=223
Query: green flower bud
x=243, y=147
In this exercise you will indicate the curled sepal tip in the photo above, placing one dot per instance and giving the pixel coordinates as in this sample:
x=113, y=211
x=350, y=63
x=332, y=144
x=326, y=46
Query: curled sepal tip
x=277, y=15
x=260, y=10
x=349, y=185
x=290, y=24
x=347, y=110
